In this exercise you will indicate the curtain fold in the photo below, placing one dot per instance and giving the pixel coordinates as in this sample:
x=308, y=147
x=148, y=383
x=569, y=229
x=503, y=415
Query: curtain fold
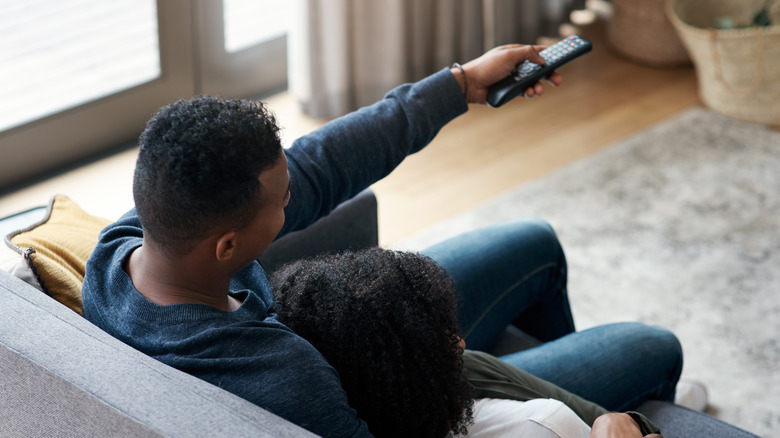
x=345, y=54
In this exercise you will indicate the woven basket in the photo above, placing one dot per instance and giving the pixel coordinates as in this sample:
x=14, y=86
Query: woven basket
x=640, y=30
x=738, y=69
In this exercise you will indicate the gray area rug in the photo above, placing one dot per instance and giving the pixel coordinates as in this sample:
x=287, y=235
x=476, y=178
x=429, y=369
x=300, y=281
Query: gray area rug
x=677, y=226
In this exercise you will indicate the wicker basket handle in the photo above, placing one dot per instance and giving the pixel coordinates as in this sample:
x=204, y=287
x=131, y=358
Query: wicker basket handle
x=718, y=65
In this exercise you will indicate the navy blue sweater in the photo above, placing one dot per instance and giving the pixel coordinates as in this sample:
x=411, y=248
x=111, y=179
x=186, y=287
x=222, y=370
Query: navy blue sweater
x=247, y=351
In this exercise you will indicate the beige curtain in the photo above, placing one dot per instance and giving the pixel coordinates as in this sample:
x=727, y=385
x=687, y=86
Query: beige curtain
x=345, y=54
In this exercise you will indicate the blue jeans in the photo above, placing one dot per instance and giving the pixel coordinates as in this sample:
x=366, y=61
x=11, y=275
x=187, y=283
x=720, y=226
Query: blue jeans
x=515, y=273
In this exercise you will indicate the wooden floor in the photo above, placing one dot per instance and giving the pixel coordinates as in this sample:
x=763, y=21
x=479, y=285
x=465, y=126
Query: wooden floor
x=489, y=151
x=478, y=156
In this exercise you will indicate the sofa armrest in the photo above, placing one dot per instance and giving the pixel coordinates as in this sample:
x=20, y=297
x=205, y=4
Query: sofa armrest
x=679, y=422
x=66, y=377
x=352, y=225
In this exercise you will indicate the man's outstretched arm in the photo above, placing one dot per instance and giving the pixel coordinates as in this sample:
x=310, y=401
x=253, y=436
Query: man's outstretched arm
x=348, y=154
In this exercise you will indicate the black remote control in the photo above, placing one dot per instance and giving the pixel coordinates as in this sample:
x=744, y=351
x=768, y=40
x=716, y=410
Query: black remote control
x=527, y=74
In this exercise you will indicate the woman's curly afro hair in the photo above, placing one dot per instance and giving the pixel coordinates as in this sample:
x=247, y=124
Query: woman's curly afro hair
x=385, y=320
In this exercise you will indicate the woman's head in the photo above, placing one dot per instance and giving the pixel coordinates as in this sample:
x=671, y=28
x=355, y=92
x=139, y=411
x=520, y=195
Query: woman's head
x=386, y=321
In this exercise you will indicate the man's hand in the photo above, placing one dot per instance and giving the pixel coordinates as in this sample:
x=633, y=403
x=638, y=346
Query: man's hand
x=617, y=425
x=495, y=65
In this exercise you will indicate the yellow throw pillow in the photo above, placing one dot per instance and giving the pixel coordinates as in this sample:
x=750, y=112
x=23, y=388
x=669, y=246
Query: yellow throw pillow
x=57, y=249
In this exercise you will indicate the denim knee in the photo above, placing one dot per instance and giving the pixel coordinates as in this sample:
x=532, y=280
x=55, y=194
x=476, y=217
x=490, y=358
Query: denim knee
x=662, y=348
x=538, y=235
x=543, y=230
x=654, y=338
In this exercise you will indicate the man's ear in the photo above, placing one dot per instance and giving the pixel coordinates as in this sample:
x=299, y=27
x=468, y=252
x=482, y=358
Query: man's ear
x=226, y=246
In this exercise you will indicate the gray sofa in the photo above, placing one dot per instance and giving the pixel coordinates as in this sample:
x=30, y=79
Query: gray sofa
x=64, y=377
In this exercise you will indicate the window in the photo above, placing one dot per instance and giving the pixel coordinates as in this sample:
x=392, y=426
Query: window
x=242, y=46
x=251, y=22
x=68, y=52
x=80, y=77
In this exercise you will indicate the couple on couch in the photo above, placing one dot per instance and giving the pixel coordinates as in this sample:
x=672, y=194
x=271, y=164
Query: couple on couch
x=177, y=276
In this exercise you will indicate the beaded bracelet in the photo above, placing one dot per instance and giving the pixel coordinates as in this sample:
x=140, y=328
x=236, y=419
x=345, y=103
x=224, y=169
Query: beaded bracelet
x=465, y=79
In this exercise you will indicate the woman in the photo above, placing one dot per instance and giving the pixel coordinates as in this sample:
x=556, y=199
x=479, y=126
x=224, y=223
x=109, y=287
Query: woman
x=386, y=321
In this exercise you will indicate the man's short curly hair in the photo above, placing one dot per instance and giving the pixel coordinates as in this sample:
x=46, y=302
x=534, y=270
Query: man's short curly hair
x=198, y=166
x=385, y=320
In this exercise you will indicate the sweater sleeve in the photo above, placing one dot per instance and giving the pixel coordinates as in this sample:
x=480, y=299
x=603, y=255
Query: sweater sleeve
x=493, y=378
x=346, y=155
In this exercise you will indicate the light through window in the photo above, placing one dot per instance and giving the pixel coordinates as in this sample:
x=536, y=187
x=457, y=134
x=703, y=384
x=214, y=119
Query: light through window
x=250, y=22
x=57, y=54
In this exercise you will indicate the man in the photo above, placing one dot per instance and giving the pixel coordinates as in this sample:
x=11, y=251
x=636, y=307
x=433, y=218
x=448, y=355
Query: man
x=176, y=277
